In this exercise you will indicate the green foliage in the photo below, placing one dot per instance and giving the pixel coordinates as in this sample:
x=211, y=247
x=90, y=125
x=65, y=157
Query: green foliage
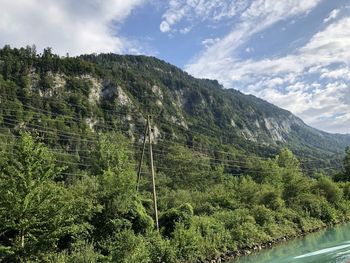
x=160, y=249
x=262, y=215
x=347, y=163
x=216, y=239
x=140, y=220
x=69, y=195
x=242, y=226
x=346, y=190
x=121, y=208
x=187, y=168
x=286, y=159
x=34, y=210
x=187, y=243
x=330, y=190
x=182, y=214
x=113, y=154
x=81, y=252
x=126, y=247
x=272, y=199
x=100, y=217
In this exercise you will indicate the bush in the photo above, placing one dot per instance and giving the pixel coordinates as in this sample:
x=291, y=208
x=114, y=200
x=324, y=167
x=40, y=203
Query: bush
x=329, y=189
x=82, y=252
x=216, y=239
x=187, y=243
x=161, y=250
x=262, y=215
x=244, y=230
x=272, y=199
x=126, y=247
x=183, y=214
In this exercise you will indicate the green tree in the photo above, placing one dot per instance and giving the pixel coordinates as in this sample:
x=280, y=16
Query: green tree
x=344, y=176
x=189, y=169
x=329, y=189
x=121, y=207
x=183, y=214
x=33, y=208
x=127, y=247
x=287, y=159
x=347, y=164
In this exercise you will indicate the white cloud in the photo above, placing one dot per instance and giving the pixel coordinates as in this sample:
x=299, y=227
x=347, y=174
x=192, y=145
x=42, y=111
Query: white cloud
x=185, y=30
x=67, y=25
x=192, y=11
x=210, y=41
x=164, y=27
x=339, y=73
x=287, y=81
x=259, y=16
x=332, y=15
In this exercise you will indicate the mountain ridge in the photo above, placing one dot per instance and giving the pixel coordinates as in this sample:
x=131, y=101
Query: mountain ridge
x=195, y=111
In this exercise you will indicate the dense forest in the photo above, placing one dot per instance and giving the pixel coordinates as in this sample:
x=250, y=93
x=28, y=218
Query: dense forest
x=71, y=138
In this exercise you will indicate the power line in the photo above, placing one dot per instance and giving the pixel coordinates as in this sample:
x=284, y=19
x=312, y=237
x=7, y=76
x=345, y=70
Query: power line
x=78, y=120
x=219, y=161
x=66, y=135
x=58, y=161
x=172, y=135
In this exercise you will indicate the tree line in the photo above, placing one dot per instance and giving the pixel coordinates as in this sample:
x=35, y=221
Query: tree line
x=98, y=216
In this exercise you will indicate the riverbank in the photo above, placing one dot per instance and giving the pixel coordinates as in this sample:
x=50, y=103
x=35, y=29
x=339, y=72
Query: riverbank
x=229, y=256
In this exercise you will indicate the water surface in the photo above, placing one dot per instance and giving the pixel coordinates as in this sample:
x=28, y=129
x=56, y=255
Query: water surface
x=327, y=246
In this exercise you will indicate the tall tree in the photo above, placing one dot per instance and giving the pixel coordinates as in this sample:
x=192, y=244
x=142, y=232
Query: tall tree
x=33, y=208
x=347, y=163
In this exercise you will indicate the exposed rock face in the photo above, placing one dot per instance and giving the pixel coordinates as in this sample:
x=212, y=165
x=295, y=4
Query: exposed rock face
x=95, y=89
x=179, y=121
x=122, y=97
x=57, y=83
x=102, y=89
x=233, y=124
x=91, y=122
x=155, y=133
x=183, y=105
x=157, y=91
x=159, y=103
x=249, y=135
x=277, y=129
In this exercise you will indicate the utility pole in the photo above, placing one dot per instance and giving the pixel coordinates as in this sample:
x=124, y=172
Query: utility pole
x=142, y=155
x=152, y=171
x=148, y=131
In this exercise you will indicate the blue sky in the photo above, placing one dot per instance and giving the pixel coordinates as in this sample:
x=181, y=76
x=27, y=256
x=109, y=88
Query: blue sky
x=292, y=53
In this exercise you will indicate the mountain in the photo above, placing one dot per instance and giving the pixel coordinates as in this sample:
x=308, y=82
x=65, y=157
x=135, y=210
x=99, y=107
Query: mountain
x=206, y=107
x=114, y=91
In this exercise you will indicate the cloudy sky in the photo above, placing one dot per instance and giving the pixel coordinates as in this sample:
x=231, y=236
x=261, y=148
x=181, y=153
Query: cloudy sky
x=293, y=53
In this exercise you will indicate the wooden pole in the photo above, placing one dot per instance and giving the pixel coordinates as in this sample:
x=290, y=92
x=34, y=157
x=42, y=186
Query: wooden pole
x=142, y=155
x=153, y=174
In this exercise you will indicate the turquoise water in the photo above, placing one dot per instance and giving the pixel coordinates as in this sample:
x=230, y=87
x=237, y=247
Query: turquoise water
x=327, y=246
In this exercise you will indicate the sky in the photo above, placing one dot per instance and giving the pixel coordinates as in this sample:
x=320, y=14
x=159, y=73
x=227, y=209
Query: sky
x=292, y=53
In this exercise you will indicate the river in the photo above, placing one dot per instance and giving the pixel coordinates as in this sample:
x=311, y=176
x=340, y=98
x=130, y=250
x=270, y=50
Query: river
x=327, y=246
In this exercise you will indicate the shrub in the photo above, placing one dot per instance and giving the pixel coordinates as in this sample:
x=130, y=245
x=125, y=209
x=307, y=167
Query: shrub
x=183, y=214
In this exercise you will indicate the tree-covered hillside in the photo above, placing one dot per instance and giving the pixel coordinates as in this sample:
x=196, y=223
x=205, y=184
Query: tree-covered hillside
x=71, y=134
x=108, y=90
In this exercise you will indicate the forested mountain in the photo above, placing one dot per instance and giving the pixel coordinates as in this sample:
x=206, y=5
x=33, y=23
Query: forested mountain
x=108, y=88
x=71, y=133
x=204, y=106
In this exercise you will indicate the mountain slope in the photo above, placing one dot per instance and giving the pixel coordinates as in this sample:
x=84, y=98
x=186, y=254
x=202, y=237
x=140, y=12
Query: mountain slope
x=119, y=91
x=204, y=106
